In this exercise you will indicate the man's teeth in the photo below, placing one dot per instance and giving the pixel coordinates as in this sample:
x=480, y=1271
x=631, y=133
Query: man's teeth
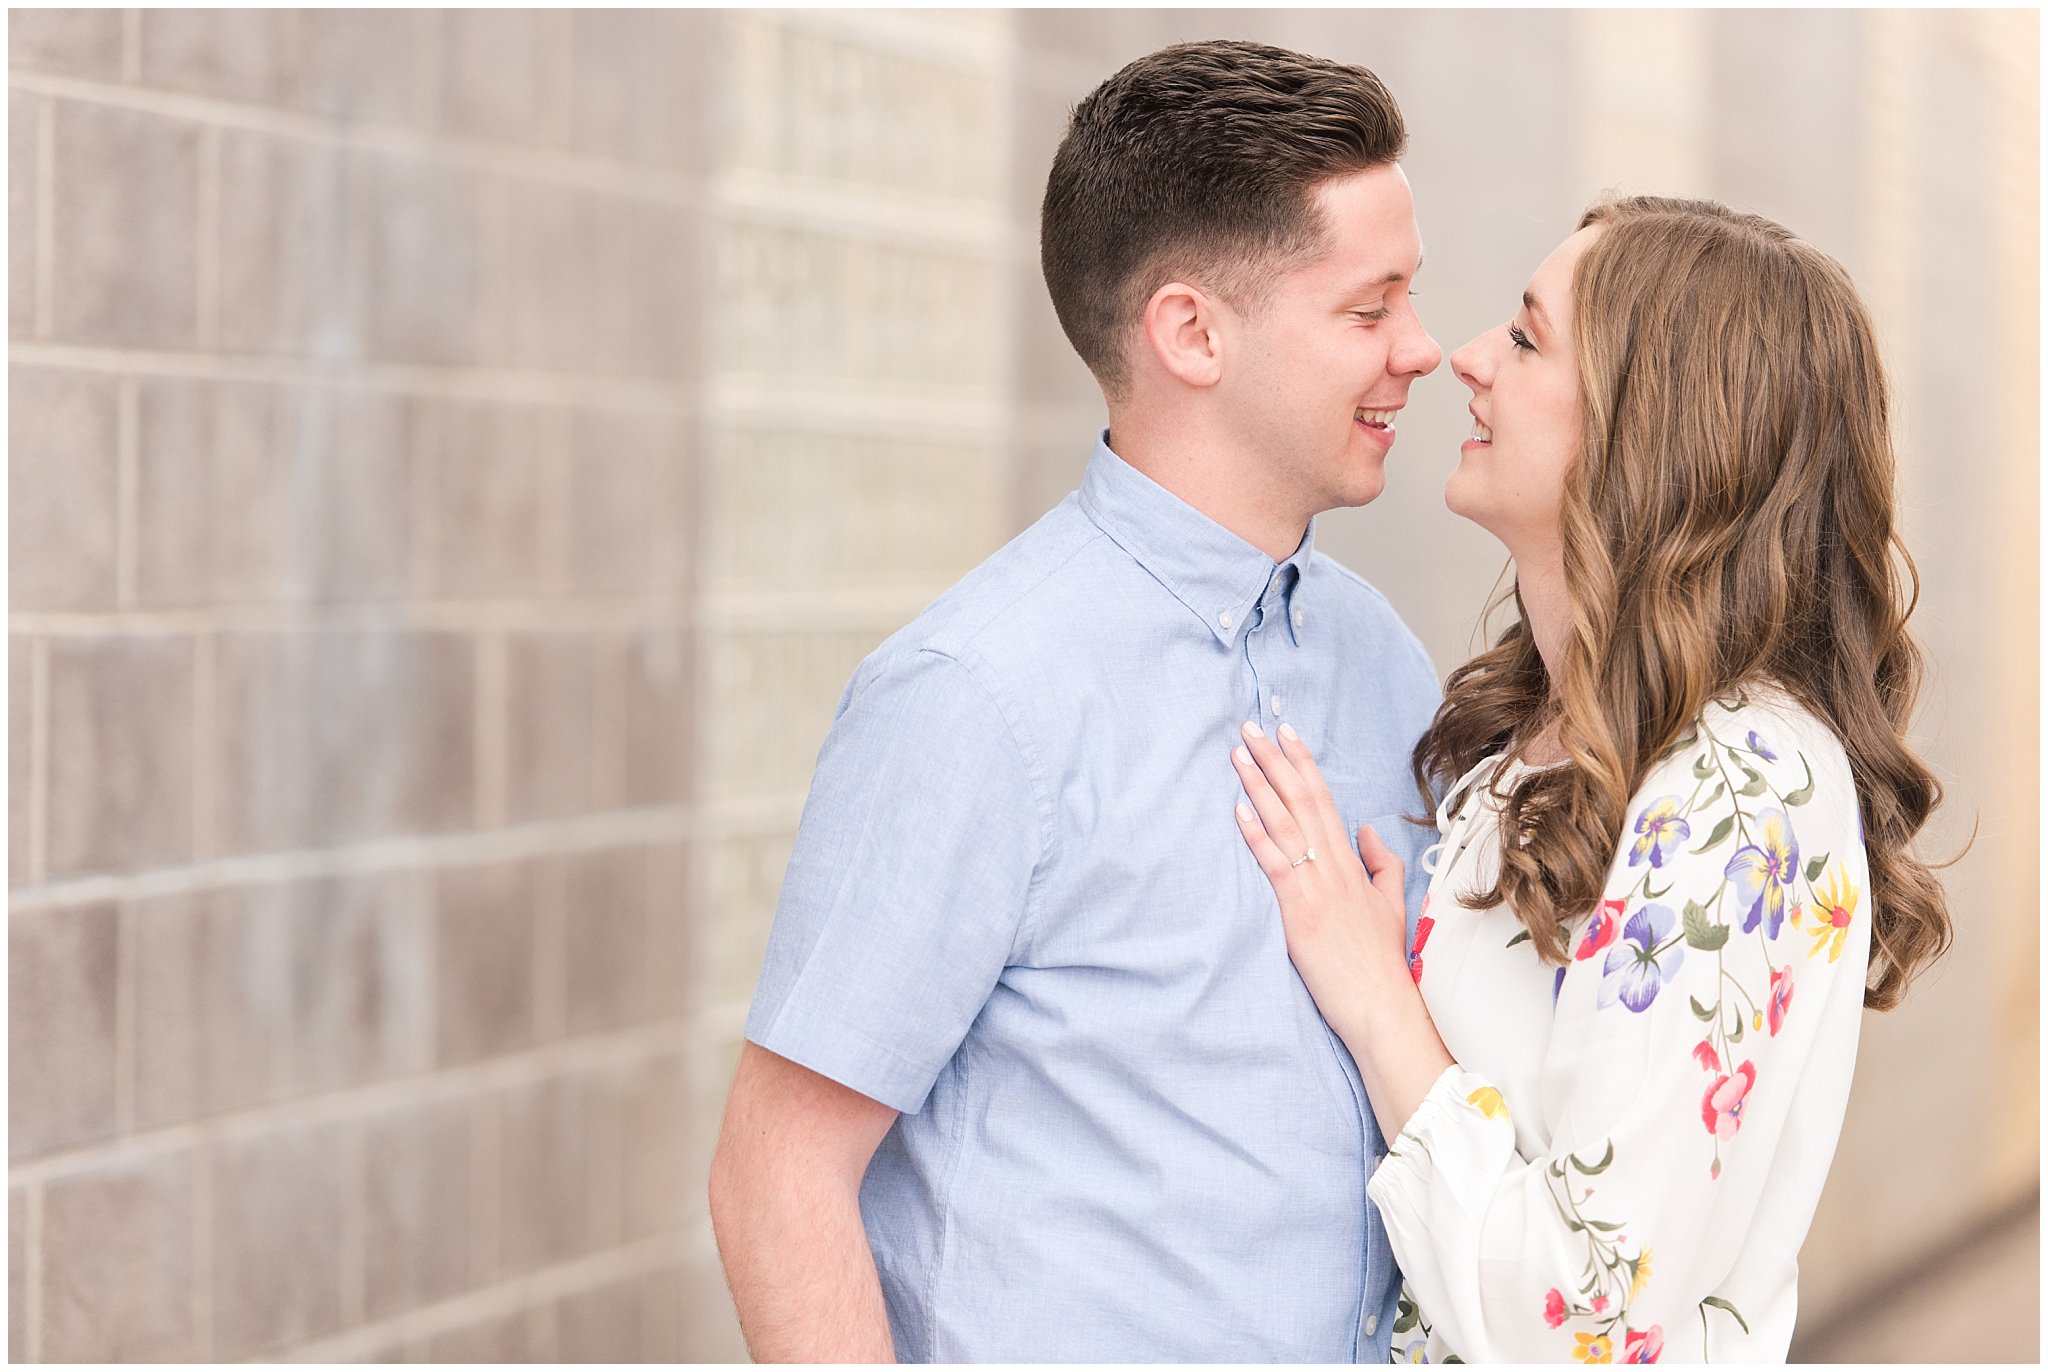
x=1383, y=417
x=1481, y=433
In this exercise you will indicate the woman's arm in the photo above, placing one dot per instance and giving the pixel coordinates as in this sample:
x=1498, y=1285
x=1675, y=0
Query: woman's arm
x=1717, y=983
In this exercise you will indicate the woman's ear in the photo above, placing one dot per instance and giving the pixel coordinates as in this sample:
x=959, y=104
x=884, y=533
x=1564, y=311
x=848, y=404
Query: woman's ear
x=1180, y=326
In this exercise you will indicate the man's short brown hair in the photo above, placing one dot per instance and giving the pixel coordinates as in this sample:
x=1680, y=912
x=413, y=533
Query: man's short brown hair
x=1198, y=162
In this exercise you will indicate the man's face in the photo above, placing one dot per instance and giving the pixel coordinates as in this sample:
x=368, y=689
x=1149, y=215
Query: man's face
x=1319, y=370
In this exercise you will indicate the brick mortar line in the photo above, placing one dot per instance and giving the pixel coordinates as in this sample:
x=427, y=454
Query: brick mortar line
x=656, y=395
x=403, y=853
x=612, y=1048
x=39, y=760
x=32, y=1246
x=707, y=820
x=718, y=610
x=897, y=36
x=579, y=170
x=127, y=945
x=652, y=611
x=46, y=218
x=734, y=395
x=508, y=1297
x=746, y=402
x=207, y=270
x=486, y=1185
x=202, y=1254
x=974, y=229
x=205, y=685
x=492, y=665
x=127, y=491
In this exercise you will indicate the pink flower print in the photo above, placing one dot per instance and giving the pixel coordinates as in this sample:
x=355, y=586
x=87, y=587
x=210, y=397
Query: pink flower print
x=1553, y=1307
x=1762, y=872
x=1422, y=927
x=1781, y=996
x=1606, y=923
x=1599, y=1305
x=1721, y=1108
x=1645, y=1345
x=1703, y=1053
x=1661, y=830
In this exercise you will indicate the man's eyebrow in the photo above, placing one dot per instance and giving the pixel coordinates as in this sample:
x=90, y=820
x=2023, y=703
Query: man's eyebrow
x=1395, y=278
x=1536, y=308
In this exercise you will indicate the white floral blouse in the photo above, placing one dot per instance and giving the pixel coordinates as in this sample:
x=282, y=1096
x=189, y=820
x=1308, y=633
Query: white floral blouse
x=1624, y=1161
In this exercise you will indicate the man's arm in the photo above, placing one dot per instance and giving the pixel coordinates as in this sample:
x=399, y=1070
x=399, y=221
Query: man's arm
x=785, y=1206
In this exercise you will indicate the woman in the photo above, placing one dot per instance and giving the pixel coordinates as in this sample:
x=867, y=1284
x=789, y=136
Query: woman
x=1676, y=813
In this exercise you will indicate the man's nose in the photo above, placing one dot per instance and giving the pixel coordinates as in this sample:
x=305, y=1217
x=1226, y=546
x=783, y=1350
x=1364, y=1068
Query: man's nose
x=1418, y=354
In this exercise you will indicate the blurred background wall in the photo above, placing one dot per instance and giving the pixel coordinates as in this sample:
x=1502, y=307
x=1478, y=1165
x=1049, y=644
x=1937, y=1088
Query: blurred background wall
x=458, y=456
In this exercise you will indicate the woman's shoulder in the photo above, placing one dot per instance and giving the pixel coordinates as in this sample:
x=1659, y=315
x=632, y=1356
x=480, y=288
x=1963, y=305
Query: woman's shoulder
x=1761, y=740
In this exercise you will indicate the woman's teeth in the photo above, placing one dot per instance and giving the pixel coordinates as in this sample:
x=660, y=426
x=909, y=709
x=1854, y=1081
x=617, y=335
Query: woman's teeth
x=1480, y=433
x=1383, y=419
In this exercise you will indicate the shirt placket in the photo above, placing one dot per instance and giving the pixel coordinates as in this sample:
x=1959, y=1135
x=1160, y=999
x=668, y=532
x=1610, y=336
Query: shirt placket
x=1264, y=645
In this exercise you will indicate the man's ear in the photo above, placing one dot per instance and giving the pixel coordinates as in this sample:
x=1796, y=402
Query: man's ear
x=1181, y=328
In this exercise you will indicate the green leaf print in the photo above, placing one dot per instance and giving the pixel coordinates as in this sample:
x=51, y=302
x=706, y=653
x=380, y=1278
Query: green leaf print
x=1804, y=793
x=1700, y=1011
x=1701, y=932
x=1815, y=866
x=1720, y=832
x=1593, y=1169
x=1720, y=1304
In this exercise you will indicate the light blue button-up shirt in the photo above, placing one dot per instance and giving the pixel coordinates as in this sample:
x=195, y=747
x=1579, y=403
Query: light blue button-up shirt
x=1020, y=912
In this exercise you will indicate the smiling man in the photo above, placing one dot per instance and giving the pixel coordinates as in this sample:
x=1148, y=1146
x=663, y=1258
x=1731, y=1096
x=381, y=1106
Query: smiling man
x=1029, y=1076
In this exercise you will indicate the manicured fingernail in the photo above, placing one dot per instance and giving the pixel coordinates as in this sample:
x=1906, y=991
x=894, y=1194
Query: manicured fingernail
x=1244, y=812
x=1241, y=756
x=1252, y=729
x=1287, y=732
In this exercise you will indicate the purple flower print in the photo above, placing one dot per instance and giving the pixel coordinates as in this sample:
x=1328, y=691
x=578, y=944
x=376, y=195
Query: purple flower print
x=1636, y=967
x=1760, y=748
x=1762, y=870
x=1661, y=830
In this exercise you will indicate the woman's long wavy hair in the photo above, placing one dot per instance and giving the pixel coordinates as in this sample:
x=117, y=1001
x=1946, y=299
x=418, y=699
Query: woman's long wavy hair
x=1728, y=519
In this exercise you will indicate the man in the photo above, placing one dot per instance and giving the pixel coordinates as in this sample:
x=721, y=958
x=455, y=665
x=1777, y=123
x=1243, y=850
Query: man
x=1029, y=1075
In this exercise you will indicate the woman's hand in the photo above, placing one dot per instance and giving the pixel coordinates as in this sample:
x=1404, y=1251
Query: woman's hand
x=1345, y=919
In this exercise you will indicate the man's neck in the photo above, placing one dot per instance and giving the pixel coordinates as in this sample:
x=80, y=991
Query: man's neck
x=1212, y=480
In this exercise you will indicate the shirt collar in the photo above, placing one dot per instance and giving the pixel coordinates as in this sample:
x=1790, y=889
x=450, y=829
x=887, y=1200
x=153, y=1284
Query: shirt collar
x=1217, y=575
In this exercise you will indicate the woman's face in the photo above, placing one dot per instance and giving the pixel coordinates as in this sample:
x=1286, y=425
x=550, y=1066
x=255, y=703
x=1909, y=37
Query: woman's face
x=1524, y=378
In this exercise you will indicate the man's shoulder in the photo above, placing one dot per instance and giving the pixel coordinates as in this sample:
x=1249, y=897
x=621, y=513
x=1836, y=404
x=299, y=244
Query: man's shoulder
x=1361, y=608
x=1014, y=603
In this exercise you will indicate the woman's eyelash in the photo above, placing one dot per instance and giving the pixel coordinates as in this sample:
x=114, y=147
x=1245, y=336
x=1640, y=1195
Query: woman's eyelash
x=1520, y=339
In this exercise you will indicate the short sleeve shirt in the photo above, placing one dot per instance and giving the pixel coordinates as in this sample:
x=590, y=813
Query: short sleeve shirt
x=1019, y=911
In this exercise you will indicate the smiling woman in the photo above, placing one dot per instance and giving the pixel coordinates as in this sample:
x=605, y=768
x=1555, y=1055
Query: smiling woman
x=1686, y=730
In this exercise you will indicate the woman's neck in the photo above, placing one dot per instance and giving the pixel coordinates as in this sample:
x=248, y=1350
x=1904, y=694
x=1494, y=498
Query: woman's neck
x=1546, y=609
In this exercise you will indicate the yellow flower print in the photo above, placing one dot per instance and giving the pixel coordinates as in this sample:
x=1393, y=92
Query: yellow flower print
x=1489, y=1103
x=1594, y=1348
x=1638, y=1274
x=1836, y=907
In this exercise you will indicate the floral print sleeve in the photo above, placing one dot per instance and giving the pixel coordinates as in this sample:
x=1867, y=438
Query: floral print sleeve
x=1683, y=1108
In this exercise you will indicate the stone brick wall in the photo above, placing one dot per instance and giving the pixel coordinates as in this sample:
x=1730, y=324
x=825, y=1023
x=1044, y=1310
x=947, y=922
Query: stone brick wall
x=458, y=456
x=357, y=986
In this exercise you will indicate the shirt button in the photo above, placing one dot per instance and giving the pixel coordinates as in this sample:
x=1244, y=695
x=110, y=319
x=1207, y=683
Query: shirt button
x=1297, y=619
x=1276, y=705
x=1372, y=1325
x=1224, y=620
